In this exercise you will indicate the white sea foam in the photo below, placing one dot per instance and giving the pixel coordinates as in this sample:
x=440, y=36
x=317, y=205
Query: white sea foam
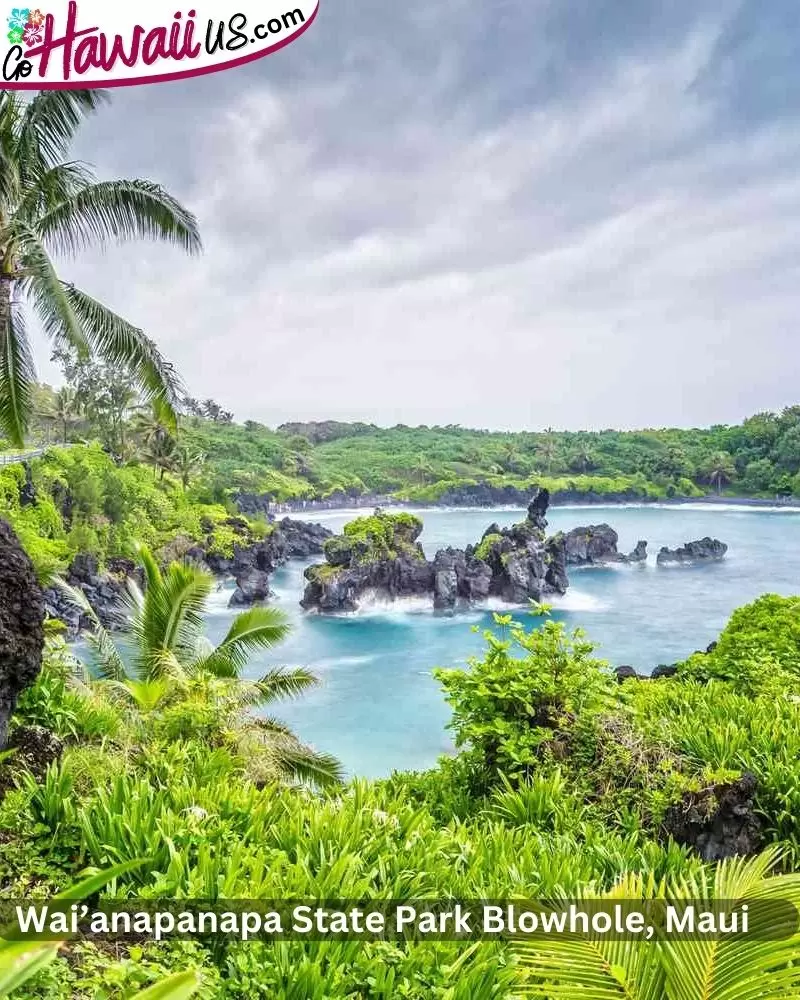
x=329, y=662
x=742, y=508
x=576, y=600
x=219, y=598
x=373, y=604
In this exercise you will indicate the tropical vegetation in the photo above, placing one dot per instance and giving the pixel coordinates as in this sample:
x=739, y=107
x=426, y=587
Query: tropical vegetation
x=563, y=788
x=165, y=779
x=53, y=206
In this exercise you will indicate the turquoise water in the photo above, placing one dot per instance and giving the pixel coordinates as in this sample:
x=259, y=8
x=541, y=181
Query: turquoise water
x=378, y=708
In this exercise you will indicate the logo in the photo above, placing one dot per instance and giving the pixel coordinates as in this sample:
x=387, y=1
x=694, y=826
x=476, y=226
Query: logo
x=90, y=43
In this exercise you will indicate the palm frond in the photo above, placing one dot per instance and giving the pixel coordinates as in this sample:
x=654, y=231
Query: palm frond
x=17, y=371
x=754, y=966
x=594, y=967
x=54, y=186
x=251, y=631
x=49, y=297
x=49, y=123
x=741, y=966
x=117, y=211
x=121, y=343
x=283, y=683
x=294, y=760
x=169, y=621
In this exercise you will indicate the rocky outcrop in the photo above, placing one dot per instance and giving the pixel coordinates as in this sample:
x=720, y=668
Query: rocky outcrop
x=252, y=587
x=382, y=556
x=704, y=550
x=21, y=625
x=345, y=589
x=376, y=556
x=718, y=822
x=302, y=539
x=596, y=545
x=35, y=749
x=459, y=579
x=252, y=565
x=524, y=565
x=105, y=592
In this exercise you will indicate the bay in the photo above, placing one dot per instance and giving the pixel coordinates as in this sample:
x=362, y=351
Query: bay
x=379, y=709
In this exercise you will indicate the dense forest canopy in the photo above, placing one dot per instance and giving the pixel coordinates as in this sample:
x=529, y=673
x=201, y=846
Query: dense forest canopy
x=759, y=457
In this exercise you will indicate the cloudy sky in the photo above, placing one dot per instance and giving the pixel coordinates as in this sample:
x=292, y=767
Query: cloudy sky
x=577, y=213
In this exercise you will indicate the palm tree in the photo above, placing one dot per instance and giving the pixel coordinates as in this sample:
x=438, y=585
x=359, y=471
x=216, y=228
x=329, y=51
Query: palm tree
x=66, y=410
x=720, y=470
x=211, y=410
x=511, y=456
x=761, y=964
x=582, y=459
x=51, y=205
x=171, y=659
x=548, y=450
x=186, y=463
x=161, y=453
x=149, y=425
x=422, y=468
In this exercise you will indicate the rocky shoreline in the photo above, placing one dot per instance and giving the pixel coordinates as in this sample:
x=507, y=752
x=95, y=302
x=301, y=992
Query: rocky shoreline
x=504, y=498
x=250, y=565
x=378, y=557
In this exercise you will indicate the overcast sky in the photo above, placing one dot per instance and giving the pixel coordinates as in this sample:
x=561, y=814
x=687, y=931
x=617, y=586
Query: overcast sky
x=577, y=213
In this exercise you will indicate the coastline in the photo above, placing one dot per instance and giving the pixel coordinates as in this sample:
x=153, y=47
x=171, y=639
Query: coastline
x=370, y=502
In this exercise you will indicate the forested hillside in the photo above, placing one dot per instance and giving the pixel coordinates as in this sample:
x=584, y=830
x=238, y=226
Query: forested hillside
x=760, y=457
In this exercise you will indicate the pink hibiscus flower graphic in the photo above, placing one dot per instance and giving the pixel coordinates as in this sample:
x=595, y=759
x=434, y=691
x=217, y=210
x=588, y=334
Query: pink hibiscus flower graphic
x=33, y=34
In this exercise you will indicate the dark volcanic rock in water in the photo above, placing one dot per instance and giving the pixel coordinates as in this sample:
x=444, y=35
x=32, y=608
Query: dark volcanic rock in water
x=524, y=564
x=381, y=556
x=593, y=545
x=375, y=556
x=459, y=579
x=303, y=539
x=639, y=554
x=21, y=625
x=596, y=545
x=252, y=565
x=704, y=550
x=252, y=586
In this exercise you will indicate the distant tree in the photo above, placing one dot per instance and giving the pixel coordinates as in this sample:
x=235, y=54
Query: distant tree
x=211, y=410
x=720, y=470
x=547, y=450
x=422, y=468
x=511, y=456
x=104, y=393
x=186, y=464
x=787, y=452
x=66, y=410
x=583, y=459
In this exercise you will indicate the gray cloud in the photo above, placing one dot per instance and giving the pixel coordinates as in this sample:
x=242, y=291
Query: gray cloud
x=531, y=214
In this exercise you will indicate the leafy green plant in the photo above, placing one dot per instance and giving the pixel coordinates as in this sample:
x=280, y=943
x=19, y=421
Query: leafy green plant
x=508, y=710
x=170, y=667
x=711, y=967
